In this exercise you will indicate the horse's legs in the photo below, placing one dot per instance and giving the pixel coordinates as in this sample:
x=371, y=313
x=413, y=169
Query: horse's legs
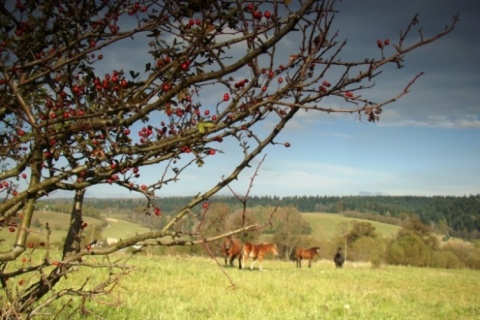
x=253, y=262
x=232, y=257
x=309, y=263
x=299, y=262
x=260, y=263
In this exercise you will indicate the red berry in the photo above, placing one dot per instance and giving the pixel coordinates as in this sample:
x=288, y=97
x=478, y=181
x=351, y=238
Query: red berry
x=280, y=80
x=11, y=229
x=380, y=43
x=267, y=14
x=387, y=42
x=143, y=187
x=258, y=14
x=287, y=145
x=205, y=205
x=226, y=97
x=76, y=89
x=158, y=212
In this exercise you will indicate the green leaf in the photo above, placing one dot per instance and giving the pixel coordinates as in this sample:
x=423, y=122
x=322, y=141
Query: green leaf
x=202, y=126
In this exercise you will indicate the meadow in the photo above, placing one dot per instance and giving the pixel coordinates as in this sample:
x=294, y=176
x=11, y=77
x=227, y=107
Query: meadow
x=188, y=287
x=192, y=287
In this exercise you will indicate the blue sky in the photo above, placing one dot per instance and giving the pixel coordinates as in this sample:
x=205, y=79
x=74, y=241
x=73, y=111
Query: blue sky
x=427, y=143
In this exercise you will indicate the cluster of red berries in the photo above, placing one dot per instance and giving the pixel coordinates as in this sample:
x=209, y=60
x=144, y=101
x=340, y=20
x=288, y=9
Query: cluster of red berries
x=193, y=22
x=382, y=44
x=114, y=81
x=240, y=84
x=257, y=14
x=324, y=86
x=136, y=8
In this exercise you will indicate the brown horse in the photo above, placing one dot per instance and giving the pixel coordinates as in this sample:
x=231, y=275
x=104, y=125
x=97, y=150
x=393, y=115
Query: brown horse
x=304, y=253
x=231, y=249
x=257, y=251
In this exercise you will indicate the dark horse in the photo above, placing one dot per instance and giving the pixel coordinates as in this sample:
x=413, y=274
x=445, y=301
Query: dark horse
x=256, y=252
x=231, y=249
x=339, y=258
x=304, y=253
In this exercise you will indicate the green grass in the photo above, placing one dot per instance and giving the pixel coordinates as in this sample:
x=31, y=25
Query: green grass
x=121, y=229
x=59, y=224
x=169, y=287
x=328, y=225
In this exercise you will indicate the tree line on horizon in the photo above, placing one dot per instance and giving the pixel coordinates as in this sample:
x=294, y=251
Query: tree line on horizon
x=451, y=216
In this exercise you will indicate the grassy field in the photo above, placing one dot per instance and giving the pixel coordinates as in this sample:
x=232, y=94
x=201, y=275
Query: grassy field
x=188, y=287
x=169, y=287
x=328, y=225
x=59, y=223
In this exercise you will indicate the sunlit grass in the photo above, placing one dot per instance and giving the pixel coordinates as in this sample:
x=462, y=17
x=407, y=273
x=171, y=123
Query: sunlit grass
x=328, y=225
x=187, y=287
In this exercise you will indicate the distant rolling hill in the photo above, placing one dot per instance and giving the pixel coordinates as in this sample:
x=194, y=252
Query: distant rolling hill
x=330, y=225
x=59, y=222
x=325, y=226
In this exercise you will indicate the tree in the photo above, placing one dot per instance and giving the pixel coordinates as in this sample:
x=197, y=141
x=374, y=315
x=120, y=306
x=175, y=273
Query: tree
x=289, y=229
x=66, y=126
x=408, y=249
x=368, y=249
x=360, y=230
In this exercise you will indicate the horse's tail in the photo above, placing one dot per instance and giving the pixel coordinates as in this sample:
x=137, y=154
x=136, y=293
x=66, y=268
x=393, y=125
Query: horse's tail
x=241, y=254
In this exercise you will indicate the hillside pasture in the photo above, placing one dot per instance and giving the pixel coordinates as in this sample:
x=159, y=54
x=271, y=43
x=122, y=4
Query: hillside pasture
x=185, y=287
x=330, y=225
x=59, y=223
